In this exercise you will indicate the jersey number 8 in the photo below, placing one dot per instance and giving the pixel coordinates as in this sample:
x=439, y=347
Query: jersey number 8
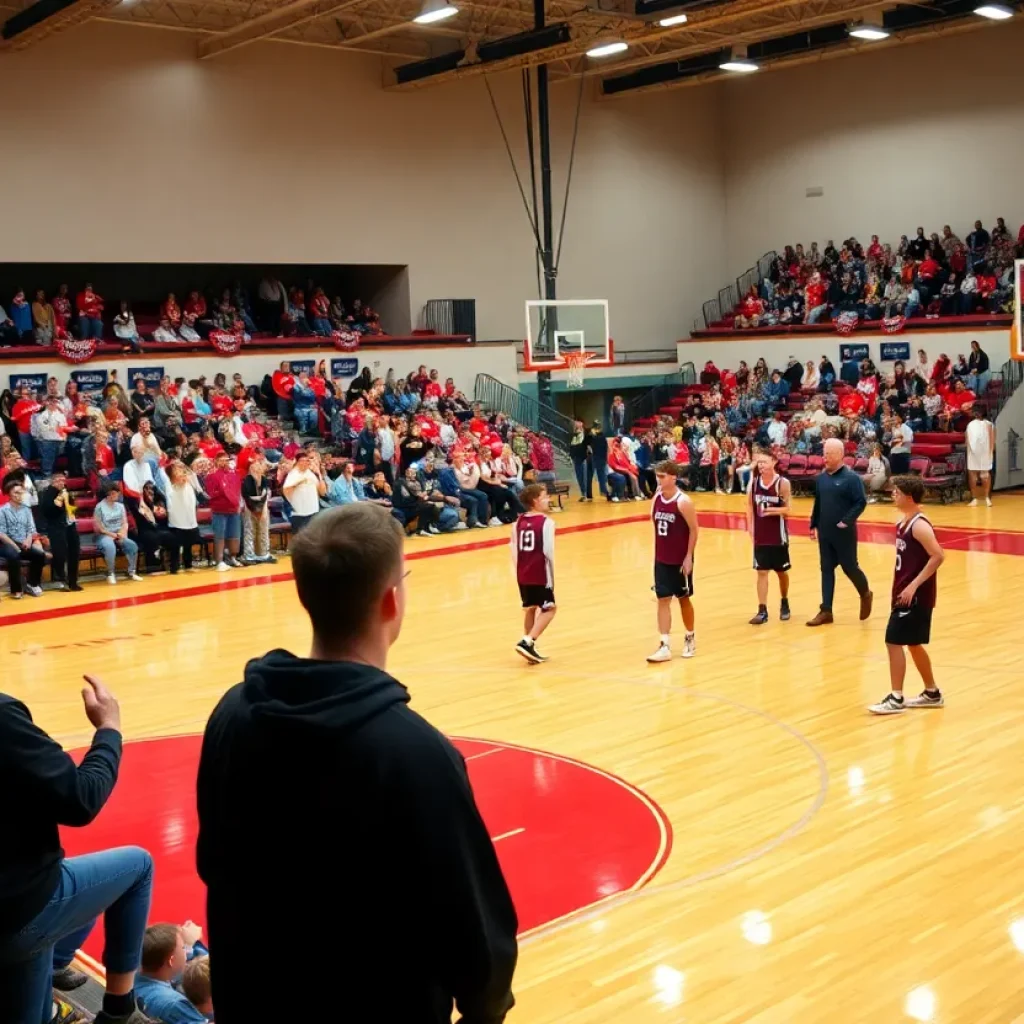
x=662, y=527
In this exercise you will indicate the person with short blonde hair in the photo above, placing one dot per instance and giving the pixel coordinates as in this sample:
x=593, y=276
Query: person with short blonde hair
x=195, y=984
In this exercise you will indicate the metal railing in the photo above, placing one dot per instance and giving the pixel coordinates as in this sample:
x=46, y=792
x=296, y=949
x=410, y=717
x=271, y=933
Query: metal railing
x=527, y=412
x=1012, y=374
x=728, y=297
x=647, y=405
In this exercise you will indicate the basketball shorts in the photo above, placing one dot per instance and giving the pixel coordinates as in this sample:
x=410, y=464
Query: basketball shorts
x=671, y=581
x=534, y=596
x=909, y=627
x=771, y=557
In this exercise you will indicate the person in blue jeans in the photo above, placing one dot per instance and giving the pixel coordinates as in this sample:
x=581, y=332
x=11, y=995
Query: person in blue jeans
x=49, y=903
x=579, y=452
x=598, y=444
x=110, y=521
x=304, y=404
x=165, y=952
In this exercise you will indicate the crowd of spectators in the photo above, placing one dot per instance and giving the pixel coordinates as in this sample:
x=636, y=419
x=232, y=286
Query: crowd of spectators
x=875, y=414
x=277, y=311
x=152, y=464
x=924, y=276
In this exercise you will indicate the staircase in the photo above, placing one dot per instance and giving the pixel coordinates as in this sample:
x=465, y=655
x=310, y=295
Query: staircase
x=497, y=396
x=666, y=398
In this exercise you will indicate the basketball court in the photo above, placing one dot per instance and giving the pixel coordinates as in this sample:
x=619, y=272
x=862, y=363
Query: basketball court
x=727, y=839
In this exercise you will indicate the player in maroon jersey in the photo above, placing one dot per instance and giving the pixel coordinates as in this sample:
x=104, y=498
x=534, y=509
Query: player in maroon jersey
x=533, y=555
x=918, y=557
x=675, y=537
x=768, y=497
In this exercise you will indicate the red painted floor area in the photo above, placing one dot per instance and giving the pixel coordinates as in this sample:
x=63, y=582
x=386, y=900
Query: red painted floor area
x=568, y=835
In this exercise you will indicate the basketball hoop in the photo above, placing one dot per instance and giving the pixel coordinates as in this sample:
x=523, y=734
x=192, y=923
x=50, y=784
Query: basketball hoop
x=576, y=363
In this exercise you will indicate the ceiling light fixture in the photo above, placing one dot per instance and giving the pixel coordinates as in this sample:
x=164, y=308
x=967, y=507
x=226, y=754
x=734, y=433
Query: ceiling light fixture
x=675, y=19
x=738, y=62
x=870, y=33
x=435, y=10
x=996, y=12
x=607, y=49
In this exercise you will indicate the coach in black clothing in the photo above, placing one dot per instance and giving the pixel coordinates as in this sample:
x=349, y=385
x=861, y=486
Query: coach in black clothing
x=331, y=810
x=838, y=502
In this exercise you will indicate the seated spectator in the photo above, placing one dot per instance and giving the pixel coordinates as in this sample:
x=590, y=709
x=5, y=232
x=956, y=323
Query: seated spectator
x=811, y=378
x=912, y=301
x=142, y=401
x=110, y=521
x=378, y=491
x=303, y=486
x=320, y=313
x=43, y=319
x=505, y=506
x=899, y=450
x=345, y=488
x=304, y=403
x=877, y=474
x=195, y=320
x=195, y=985
x=125, y=329
x=9, y=334
x=21, y=315
x=337, y=314
x=777, y=430
x=164, y=405
x=751, y=310
x=776, y=391
x=19, y=540
x=163, y=961
x=477, y=503
x=171, y=312
x=296, y=316
x=165, y=333
x=409, y=503
x=50, y=903
x=542, y=456
x=958, y=406
x=62, y=309
x=89, y=306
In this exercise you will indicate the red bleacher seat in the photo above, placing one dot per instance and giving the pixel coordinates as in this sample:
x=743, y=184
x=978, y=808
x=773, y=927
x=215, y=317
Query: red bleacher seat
x=815, y=465
x=920, y=465
x=860, y=465
x=798, y=465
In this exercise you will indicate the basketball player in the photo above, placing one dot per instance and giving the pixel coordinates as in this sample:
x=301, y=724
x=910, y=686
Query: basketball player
x=675, y=537
x=767, y=509
x=918, y=557
x=533, y=555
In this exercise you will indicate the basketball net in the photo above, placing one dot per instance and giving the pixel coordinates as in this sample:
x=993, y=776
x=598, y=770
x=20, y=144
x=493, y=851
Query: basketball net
x=576, y=362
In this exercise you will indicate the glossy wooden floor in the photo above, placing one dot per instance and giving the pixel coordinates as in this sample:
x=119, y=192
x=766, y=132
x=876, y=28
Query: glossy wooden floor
x=826, y=865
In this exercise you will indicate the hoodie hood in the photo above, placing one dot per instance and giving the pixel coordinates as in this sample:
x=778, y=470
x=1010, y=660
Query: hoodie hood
x=284, y=694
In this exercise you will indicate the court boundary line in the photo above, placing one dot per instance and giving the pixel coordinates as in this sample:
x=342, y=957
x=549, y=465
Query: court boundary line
x=733, y=522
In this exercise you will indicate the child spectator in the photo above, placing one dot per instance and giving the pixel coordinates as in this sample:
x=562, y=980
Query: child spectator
x=163, y=961
x=319, y=313
x=19, y=540
x=195, y=985
x=165, y=333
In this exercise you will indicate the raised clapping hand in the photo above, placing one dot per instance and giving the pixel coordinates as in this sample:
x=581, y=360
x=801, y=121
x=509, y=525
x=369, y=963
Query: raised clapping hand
x=101, y=707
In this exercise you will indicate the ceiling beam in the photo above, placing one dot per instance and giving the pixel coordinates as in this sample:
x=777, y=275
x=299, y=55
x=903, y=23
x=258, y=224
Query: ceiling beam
x=849, y=49
x=50, y=24
x=290, y=16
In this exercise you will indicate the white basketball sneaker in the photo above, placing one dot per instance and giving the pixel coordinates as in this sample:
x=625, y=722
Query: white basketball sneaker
x=663, y=653
x=689, y=646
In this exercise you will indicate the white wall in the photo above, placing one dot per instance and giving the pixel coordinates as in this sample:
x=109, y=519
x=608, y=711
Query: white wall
x=461, y=362
x=925, y=134
x=121, y=146
x=727, y=352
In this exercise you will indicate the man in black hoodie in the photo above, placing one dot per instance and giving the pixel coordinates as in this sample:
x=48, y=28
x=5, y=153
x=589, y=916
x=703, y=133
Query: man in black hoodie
x=329, y=808
x=48, y=903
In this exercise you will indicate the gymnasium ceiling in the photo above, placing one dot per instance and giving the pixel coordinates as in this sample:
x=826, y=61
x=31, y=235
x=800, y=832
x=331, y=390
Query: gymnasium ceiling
x=777, y=33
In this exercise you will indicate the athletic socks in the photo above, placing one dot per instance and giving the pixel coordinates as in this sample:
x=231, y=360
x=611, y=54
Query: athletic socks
x=666, y=639
x=528, y=640
x=119, y=1006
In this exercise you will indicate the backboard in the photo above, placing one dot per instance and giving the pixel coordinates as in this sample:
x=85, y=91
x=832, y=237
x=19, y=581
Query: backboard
x=557, y=327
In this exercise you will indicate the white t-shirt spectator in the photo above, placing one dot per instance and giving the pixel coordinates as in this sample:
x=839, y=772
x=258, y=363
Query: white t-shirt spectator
x=301, y=490
x=151, y=444
x=50, y=425
x=136, y=475
x=777, y=432
x=181, y=506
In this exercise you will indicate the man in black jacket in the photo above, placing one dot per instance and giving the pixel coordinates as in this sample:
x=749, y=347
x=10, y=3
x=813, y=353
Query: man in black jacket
x=47, y=901
x=838, y=502
x=57, y=515
x=331, y=809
